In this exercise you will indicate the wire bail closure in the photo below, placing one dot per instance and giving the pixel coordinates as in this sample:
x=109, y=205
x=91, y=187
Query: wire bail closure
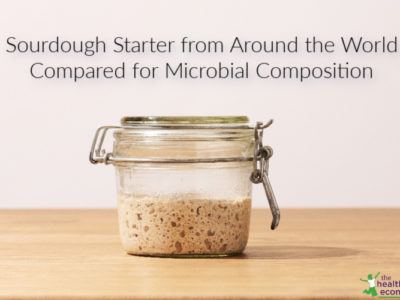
x=262, y=154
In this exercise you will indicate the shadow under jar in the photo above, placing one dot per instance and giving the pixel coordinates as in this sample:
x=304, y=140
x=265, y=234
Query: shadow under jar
x=184, y=184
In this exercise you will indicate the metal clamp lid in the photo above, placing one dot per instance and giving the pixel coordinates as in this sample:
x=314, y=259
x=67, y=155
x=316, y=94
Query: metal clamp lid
x=262, y=155
x=260, y=160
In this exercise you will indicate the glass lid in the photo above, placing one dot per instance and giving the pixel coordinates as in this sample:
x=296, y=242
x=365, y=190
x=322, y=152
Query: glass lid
x=184, y=120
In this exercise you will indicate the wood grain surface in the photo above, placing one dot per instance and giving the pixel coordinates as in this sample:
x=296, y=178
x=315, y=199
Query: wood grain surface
x=315, y=253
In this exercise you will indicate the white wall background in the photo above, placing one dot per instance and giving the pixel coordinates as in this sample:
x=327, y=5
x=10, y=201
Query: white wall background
x=336, y=142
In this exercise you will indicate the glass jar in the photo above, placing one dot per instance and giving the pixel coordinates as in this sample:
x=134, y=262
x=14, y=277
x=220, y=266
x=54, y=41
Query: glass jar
x=183, y=183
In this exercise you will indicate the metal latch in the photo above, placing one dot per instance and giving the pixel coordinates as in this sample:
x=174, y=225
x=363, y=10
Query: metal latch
x=262, y=155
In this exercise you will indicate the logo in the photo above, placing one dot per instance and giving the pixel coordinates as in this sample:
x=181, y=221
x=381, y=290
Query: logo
x=382, y=287
x=371, y=291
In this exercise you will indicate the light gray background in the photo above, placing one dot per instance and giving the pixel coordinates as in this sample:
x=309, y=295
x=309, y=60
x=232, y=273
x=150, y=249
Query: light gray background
x=336, y=142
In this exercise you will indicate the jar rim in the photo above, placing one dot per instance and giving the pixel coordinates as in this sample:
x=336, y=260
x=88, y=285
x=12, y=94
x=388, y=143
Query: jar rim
x=184, y=120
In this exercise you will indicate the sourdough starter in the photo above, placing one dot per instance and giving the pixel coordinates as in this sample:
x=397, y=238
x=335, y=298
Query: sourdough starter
x=183, y=225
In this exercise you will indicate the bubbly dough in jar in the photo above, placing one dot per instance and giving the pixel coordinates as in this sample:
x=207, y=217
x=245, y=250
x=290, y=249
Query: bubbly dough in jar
x=183, y=225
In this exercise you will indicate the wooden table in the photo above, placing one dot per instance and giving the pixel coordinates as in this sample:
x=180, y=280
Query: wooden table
x=315, y=253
